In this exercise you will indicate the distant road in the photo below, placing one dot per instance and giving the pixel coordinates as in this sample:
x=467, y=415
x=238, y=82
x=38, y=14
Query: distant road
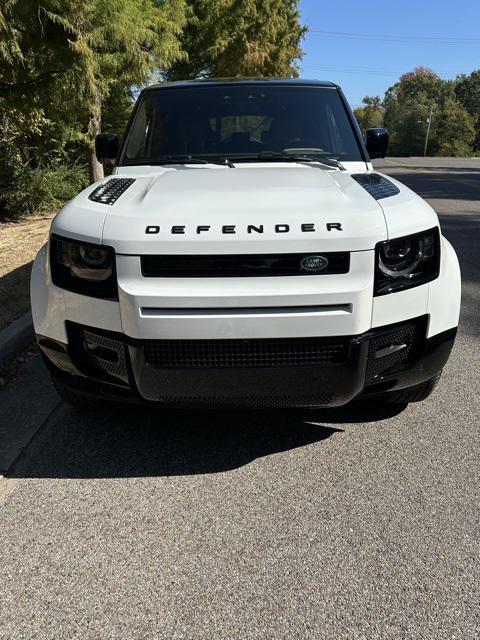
x=431, y=163
x=324, y=525
x=442, y=179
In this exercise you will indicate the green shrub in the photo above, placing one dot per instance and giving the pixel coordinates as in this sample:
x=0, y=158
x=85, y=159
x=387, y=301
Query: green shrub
x=455, y=149
x=40, y=190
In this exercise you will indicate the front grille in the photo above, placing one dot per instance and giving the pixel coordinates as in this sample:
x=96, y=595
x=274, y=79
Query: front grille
x=238, y=353
x=271, y=264
x=404, y=334
x=246, y=402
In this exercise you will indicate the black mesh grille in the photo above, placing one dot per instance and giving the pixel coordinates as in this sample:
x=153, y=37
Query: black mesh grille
x=271, y=264
x=271, y=402
x=270, y=352
x=402, y=335
x=376, y=185
x=110, y=191
x=106, y=354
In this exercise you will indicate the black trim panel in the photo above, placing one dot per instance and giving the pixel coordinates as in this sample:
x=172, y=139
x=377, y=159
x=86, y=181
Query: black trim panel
x=248, y=265
x=317, y=385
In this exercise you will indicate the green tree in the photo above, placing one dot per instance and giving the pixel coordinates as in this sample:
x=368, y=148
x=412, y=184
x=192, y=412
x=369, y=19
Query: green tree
x=456, y=130
x=407, y=108
x=36, y=119
x=62, y=59
x=10, y=51
x=227, y=38
x=467, y=90
x=408, y=105
x=115, y=42
x=371, y=114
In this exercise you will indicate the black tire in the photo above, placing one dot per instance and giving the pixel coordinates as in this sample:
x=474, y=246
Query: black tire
x=74, y=398
x=412, y=394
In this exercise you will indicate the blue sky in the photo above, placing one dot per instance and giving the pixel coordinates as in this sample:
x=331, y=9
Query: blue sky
x=444, y=36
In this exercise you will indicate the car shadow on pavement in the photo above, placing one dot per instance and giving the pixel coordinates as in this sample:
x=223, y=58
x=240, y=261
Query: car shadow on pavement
x=137, y=442
x=14, y=294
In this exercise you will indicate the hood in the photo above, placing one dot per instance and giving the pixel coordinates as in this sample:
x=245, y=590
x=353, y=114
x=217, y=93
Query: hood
x=407, y=212
x=270, y=208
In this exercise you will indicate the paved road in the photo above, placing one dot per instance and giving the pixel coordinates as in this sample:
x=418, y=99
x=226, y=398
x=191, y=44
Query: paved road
x=317, y=525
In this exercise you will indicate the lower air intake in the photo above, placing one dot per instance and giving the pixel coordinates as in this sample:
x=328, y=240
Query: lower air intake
x=106, y=354
x=255, y=352
x=267, y=402
x=397, y=345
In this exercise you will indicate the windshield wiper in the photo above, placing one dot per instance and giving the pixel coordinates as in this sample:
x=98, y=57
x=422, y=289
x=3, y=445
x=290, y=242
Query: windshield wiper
x=273, y=156
x=186, y=159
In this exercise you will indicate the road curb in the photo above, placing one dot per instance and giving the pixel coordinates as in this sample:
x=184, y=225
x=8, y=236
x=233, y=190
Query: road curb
x=16, y=338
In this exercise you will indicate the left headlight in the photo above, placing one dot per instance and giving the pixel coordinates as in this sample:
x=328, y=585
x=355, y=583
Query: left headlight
x=402, y=263
x=83, y=268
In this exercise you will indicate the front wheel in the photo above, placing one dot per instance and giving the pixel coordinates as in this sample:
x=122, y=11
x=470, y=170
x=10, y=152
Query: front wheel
x=416, y=393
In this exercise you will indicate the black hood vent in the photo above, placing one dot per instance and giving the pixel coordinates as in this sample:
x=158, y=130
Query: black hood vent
x=110, y=191
x=376, y=185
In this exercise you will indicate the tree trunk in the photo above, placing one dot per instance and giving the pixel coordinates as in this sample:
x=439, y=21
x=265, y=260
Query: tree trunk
x=95, y=168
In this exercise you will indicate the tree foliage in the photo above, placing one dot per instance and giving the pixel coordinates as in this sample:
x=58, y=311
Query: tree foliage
x=227, y=38
x=115, y=42
x=467, y=91
x=62, y=62
x=69, y=68
x=371, y=114
x=408, y=105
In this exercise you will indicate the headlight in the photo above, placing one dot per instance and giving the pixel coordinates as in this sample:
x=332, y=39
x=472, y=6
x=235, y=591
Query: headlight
x=407, y=262
x=84, y=268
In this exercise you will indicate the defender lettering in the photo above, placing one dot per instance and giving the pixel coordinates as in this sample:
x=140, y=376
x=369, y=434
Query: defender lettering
x=250, y=228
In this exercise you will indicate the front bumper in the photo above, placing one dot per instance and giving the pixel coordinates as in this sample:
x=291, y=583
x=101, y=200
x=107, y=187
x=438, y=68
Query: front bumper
x=306, y=372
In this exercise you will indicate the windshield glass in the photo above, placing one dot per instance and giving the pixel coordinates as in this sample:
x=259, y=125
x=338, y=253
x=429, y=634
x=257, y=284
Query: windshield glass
x=240, y=120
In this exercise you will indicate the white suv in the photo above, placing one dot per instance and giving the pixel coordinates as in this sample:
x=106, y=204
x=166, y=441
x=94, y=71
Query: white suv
x=244, y=252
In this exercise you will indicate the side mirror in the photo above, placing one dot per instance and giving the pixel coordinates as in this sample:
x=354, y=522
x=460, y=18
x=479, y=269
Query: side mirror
x=106, y=147
x=377, y=142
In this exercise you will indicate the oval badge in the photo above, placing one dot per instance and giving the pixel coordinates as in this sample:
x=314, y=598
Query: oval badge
x=314, y=263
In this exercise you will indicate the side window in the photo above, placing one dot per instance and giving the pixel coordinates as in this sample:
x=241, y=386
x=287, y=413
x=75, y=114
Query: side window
x=138, y=135
x=334, y=132
x=343, y=140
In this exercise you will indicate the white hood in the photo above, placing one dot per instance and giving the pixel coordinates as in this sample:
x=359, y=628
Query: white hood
x=222, y=210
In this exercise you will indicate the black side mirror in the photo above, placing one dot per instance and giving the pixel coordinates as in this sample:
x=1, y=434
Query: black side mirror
x=106, y=147
x=377, y=142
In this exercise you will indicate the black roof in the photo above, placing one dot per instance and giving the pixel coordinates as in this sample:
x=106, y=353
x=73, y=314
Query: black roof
x=212, y=82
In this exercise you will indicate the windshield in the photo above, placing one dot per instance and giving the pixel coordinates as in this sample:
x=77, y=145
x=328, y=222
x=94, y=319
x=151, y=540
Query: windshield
x=225, y=121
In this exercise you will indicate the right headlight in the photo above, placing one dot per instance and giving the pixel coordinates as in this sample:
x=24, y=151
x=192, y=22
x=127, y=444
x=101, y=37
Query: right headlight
x=84, y=268
x=401, y=263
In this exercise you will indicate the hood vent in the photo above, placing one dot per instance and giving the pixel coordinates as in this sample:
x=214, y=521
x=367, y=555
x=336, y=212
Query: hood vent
x=376, y=185
x=110, y=191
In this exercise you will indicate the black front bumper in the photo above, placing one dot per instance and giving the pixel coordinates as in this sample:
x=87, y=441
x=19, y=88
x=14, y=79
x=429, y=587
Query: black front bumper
x=310, y=372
